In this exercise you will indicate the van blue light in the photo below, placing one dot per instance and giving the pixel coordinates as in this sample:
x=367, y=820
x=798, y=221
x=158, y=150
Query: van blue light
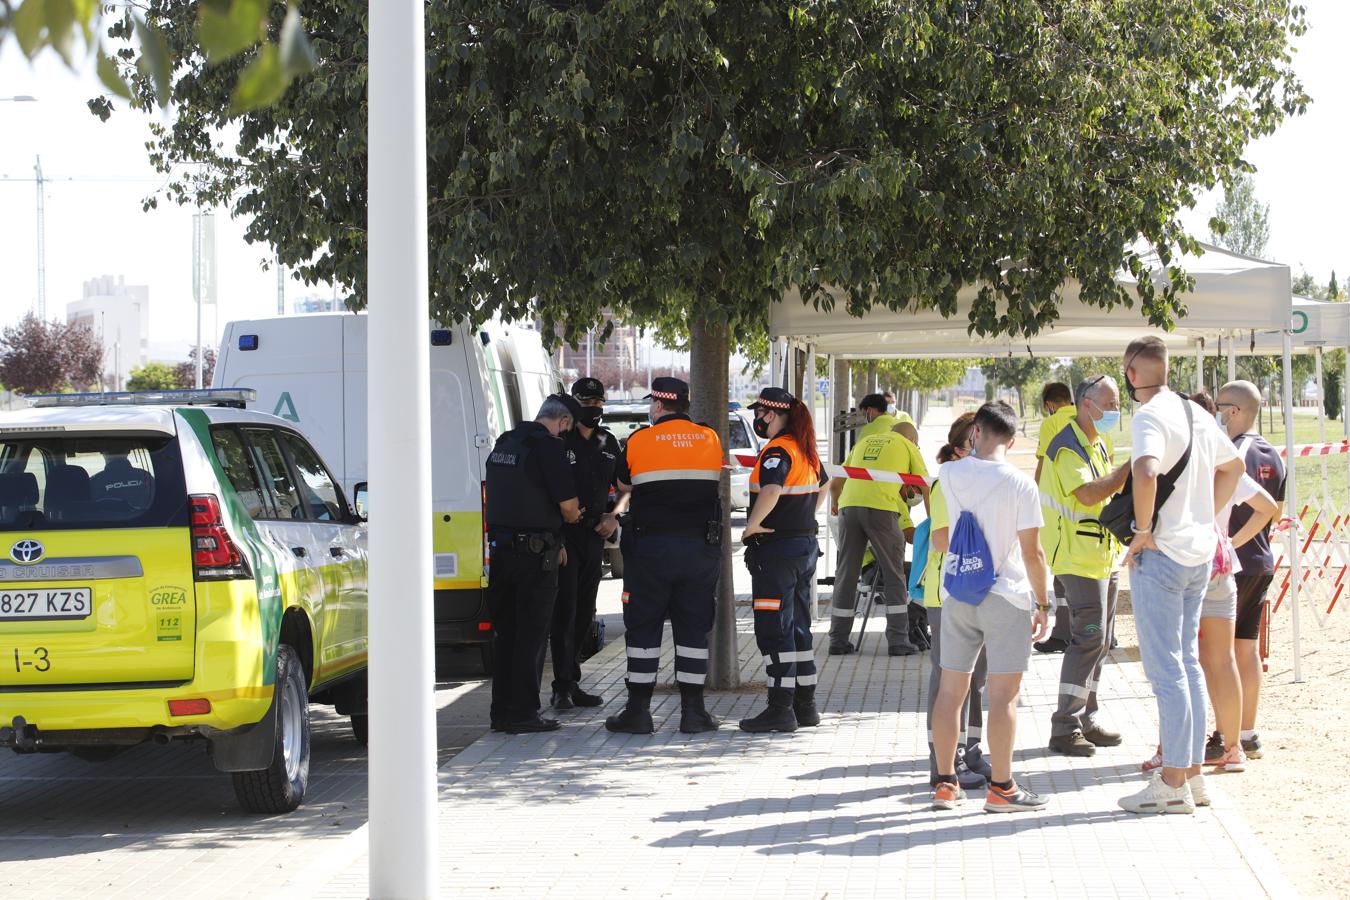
x=441, y=337
x=248, y=342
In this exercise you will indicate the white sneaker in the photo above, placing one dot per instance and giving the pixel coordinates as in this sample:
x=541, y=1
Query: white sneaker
x=1158, y=797
x=1199, y=793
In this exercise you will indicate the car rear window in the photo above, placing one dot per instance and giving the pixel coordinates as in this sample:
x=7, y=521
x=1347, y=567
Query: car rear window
x=91, y=481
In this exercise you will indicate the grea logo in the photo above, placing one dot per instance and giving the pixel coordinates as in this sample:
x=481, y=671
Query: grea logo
x=26, y=552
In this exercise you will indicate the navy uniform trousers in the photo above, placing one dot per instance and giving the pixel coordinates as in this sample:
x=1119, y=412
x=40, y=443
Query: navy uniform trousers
x=781, y=573
x=675, y=576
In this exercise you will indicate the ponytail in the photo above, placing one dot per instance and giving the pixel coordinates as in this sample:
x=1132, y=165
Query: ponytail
x=957, y=436
x=802, y=429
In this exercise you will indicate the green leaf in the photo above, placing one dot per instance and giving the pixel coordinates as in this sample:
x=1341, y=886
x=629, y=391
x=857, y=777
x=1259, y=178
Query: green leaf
x=61, y=28
x=297, y=57
x=27, y=24
x=111, y=78
x=261, y=83
x=226, y=31
x=154, y=61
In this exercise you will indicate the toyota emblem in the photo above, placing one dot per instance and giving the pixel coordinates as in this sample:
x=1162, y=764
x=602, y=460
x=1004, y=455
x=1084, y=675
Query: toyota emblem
x=26, y=552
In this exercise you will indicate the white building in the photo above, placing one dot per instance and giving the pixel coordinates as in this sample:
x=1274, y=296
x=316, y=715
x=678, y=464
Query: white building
x=119, y=314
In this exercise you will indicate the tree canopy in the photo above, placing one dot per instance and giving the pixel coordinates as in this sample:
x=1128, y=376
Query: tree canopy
x=1241, y=221
x=39, y=357
x=700, y=157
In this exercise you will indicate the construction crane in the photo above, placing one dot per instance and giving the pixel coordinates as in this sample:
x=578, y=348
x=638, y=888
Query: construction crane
x=41, y=182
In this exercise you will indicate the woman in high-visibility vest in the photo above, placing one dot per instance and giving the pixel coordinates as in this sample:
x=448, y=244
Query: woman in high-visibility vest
x=781, y=553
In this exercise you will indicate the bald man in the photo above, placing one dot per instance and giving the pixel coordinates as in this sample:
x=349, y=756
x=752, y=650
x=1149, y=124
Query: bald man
x=1239, y=411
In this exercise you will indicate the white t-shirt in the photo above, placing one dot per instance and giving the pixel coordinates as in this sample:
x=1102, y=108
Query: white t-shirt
x=1185, y=529
x=1247, y=489
x=1004, y=501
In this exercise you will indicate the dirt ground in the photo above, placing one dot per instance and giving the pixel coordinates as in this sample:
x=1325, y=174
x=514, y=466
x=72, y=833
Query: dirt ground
x=1293, y=797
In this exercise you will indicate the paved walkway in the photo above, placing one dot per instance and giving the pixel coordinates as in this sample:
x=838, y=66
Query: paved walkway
x=836, y=811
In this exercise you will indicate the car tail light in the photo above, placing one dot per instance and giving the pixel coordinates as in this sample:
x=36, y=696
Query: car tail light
x=197, y=707
x=484, y=626
x=215, y=556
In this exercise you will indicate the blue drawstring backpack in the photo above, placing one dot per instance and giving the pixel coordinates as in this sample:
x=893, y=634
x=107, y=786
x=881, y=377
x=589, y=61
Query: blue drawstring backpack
x=968, y=571
x=919, y=564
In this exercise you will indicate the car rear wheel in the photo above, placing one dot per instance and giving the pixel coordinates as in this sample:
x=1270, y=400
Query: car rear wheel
x=486, y=655
x=281, y=786
x=615, y=563
x=361, y=729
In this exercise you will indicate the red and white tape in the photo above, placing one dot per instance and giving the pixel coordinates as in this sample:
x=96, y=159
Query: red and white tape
x=833, y=471
x=1331, y=448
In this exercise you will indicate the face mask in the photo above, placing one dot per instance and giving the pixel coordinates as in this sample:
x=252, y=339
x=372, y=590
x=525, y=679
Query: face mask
x=590, y=416
x=891, y=408
x=761, y=427
x=1109, y=421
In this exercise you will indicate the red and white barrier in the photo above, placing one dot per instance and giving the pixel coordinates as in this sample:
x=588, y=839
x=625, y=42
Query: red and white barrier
x=833, y=471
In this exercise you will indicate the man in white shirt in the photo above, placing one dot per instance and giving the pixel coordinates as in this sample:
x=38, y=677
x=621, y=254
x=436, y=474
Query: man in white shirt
x=1006, y=507
x=1173, y=440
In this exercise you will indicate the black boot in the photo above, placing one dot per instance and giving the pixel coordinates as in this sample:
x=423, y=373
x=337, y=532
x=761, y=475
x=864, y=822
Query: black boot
x=694, y=717
x=636, y=717
x=804, y=706
x=778, y=717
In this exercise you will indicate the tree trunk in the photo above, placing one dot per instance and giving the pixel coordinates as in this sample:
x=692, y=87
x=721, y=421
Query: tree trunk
x=872, y=377
x=860, y=388
x=709, y=362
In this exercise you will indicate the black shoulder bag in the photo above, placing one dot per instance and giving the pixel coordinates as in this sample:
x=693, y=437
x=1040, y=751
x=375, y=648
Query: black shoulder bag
x=1117, y=516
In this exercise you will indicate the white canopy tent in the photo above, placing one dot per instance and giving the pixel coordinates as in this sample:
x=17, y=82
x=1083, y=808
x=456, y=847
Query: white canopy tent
x=1232, y=293
x=1233, y=298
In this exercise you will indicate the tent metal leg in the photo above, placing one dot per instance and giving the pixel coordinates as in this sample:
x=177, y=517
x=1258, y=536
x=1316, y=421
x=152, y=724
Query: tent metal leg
x=1200, y=365
x=1232, y=357
x=1291, y=496
x=776, y=362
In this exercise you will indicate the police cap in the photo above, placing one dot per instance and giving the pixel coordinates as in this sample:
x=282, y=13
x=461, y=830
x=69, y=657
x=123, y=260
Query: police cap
x=775, y=399
x=666, y=388
x=588, y=389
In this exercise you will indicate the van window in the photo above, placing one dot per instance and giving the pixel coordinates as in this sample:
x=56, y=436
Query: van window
x=276, y=474
x=320, y=494
x=243, y=477
x=91, y=482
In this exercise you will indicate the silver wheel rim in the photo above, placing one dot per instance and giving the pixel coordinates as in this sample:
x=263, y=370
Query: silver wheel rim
x=292, y=713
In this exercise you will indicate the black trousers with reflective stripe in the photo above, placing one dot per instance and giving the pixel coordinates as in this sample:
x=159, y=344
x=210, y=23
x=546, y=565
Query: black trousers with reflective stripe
x=578, y=583
x=669, y=575
x=781, y=573
x=520, y=598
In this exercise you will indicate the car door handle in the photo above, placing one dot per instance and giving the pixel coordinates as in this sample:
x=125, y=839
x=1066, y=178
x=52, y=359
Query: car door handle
x=337, y=552
x=300, y=551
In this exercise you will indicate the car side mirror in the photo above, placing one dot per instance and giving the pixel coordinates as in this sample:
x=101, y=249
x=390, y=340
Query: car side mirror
x=361, y=500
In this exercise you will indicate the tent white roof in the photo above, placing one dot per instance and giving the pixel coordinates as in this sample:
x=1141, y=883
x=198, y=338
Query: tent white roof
x=1232, y=294
x=1314, y=323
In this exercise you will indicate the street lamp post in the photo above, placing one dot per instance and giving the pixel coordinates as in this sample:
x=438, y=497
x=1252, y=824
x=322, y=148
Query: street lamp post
x=403, y=844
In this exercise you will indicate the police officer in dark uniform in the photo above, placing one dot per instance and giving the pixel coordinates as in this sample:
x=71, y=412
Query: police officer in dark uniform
x=530, y=494
x=594, y=455
x=671, y=555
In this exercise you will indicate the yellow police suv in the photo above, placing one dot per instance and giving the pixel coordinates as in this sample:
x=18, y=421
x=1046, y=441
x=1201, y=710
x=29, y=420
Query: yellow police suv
x=176, y=567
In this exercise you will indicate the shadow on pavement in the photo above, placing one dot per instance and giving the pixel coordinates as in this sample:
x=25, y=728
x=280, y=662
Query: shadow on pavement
x=150, y=797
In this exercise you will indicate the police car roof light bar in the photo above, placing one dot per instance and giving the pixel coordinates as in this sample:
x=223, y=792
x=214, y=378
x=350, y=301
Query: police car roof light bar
x=238, y=398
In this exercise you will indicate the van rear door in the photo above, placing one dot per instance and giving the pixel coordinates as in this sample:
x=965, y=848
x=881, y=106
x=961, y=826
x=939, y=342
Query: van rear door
x=96, y=577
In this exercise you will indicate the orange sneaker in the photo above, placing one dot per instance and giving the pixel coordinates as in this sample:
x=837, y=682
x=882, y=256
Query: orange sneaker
x=946, y=795
x=1233, y=760
x=1018, y=799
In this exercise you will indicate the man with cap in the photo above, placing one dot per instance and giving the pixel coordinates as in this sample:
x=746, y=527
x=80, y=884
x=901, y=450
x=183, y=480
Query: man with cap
x=531, y=493
x=671, y=555
x=594, y=454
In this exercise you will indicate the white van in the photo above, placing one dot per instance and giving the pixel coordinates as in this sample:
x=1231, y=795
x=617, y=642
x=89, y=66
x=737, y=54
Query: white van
x=311, y=370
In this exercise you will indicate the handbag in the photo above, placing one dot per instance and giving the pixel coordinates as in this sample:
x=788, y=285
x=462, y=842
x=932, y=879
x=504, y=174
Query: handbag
x=1117, y=516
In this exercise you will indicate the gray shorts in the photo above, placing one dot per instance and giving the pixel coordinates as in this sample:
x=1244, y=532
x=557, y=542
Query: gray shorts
x=1220, y=598
x=996, y=624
